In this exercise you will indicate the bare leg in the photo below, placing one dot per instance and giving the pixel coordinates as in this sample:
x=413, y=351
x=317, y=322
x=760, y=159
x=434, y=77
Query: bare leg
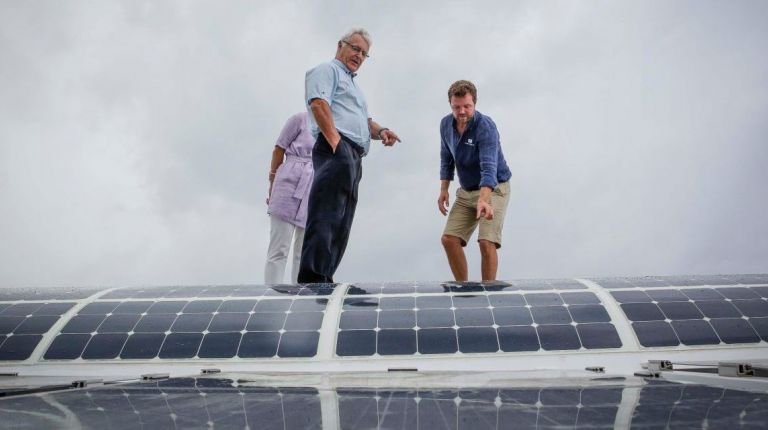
x=489, y=260
x=456, y=259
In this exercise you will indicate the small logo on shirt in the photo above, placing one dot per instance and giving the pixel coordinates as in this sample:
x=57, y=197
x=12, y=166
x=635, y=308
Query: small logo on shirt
x=469, y=142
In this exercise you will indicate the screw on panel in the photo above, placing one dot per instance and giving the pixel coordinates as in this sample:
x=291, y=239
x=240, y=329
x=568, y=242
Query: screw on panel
x=82, y=383
x=647, y=374
x=155, y=376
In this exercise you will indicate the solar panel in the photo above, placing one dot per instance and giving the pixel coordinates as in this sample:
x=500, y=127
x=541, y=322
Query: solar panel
x=179, y=329
x=680, y=281
x=23, y=324
x=696, y=316
x=478, y=322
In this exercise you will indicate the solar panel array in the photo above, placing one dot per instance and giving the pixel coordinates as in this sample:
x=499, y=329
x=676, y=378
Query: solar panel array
x=22, y=326
x=179, y=329
x=696, y=316
x=176, y=403
x=387, y=288
x=443, y=319
x=383, y=319
x=681, y=281
x=226, y=403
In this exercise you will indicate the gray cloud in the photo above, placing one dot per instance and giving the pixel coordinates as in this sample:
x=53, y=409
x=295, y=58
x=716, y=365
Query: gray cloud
x=135, y=136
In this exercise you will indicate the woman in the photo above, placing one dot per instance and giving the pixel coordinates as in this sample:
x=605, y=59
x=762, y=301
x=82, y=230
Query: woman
x=290, y=178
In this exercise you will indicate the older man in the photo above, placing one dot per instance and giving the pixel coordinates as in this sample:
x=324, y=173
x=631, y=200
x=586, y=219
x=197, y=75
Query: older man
x=470, y=145
x=343, y=132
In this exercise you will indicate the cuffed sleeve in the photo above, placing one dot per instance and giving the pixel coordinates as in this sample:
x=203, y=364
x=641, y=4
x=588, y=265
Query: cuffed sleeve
x=488, y=147
x=320, y=83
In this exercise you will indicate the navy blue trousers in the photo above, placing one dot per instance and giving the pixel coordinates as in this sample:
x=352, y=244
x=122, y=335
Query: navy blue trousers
x=331, y=208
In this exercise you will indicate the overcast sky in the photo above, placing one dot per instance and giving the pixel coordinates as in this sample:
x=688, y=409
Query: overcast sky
x=135, y=136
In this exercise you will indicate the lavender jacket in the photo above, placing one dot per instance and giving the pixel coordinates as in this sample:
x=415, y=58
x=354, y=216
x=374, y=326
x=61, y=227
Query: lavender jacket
x=290, y=191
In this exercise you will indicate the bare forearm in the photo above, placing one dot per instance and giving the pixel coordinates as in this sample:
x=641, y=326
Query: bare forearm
x=375, y=129
x=485, y=194
x=444, y=184
x=278, y=155
x=324, y=118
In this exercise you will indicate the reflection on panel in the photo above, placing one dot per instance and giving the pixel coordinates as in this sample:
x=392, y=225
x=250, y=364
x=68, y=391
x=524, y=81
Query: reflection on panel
x=180, y=329
x=696, y=316
x=361, y=289
x=481, y=322
x=221, y=291
x=227, y=403
x=681, y=281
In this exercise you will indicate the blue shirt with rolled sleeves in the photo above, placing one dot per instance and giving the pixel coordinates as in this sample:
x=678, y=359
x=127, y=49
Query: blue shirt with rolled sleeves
x=334, y=83
x=476, y=154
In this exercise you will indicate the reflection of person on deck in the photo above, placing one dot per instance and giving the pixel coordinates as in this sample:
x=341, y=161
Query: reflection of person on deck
x=343, y=130
x=290, y=177
x=470, y=145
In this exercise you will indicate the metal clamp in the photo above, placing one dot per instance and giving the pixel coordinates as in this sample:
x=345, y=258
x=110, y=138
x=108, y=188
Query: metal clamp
x=735, y=369
x=659, y=365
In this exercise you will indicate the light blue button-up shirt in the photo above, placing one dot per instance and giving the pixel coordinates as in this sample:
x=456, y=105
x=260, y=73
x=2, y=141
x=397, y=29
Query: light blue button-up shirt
x=334, y=83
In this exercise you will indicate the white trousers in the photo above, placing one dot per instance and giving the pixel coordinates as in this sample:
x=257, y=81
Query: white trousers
x=280, y=234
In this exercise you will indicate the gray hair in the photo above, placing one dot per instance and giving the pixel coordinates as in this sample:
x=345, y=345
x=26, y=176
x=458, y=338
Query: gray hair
x=361, y=31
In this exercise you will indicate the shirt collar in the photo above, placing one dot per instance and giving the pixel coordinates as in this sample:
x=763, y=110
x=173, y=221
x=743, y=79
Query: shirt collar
x=344, y=67
x=471, y=121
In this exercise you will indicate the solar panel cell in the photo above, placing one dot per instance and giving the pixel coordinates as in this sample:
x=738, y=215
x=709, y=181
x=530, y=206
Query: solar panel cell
x=397, y=319
x=680, y=310
x=219, y=345
x=83, y=323
x=157, y=323
x=259, y=344
x=551, y=315
x=477, y=339
x=752, y=308
x=717, y=309
x=474, y=317
x=229, y=322
x=695, y=332
x=304, y=321
x=517, y=315
x=642, y=312
x=356, y=343
x=181, y=345
x=655, y=333
x=507, y=300
x=396, y=342
x=142, y=346
x=518, y=338
x=558, y=337
x=359, y=320
x=298, y=344
x=67, y=346
x=589, y=313
x=434, y=318
x=104, y=346
x=36, y=325
x=437, y=341
x=19, y=347
x=734, y=330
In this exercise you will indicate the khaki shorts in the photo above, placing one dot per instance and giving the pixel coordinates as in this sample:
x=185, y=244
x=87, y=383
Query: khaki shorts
x=462, y=218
